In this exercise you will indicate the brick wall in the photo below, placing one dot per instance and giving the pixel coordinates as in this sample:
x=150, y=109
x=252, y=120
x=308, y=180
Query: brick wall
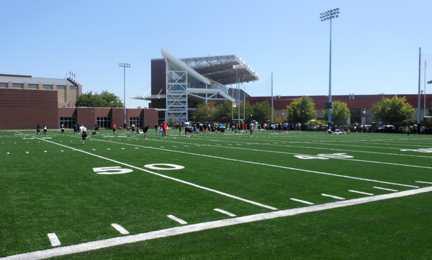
x=118, y=117
x=86, y=116
x=150, y=117
x=24, y=109
x=158, y=76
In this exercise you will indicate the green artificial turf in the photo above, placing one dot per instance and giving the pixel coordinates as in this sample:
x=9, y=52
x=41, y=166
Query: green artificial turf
x=48, y=185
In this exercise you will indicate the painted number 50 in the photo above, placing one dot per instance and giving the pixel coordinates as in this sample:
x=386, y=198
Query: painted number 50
x=111, y=170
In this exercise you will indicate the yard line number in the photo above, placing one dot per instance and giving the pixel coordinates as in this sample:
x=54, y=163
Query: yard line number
x=110, y=170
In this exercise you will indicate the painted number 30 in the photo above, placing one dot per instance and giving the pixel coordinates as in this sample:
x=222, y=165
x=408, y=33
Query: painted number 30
x=119, y=170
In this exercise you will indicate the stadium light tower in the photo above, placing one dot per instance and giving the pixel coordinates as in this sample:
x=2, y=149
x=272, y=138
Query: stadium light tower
x=330, y=15
x=124, y=66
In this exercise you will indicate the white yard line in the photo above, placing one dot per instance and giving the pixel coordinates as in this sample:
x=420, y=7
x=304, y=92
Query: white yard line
x=361, y=192
x=54, y=239
x=168, y=177
x=381, y=188
x=332, y=196
x=342, y=150
x=357, y=160
x=266, y=164
x=424, y=182
x=302, y=201
x=396, y=164
x=120, y=229
x=106, y=243
x=225, y=212
x=181, y=221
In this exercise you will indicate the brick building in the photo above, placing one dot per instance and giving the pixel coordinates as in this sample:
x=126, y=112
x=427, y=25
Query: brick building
x=359, y=105
x=67, y=89
x=26, y=102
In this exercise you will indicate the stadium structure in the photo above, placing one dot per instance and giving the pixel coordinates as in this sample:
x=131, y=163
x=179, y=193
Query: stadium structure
x=179, y=85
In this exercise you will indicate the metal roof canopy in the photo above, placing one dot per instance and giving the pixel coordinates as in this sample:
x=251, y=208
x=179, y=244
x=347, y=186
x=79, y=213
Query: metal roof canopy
x=220, y=68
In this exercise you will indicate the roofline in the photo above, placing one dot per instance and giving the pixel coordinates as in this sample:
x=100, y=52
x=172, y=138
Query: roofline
x=182, y=65
x=14, y=75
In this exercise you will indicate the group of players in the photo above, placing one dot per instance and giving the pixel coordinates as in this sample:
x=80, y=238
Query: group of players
x=81, y=129
x=203, y=128
x=45, y=129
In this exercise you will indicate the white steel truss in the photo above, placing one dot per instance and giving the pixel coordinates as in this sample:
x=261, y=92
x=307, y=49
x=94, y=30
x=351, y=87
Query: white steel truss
x=209, y=94
x=176, y=95
x=183, y=82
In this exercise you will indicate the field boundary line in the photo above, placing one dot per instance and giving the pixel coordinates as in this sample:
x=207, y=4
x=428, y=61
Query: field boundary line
x=110, y=242
x=265, y=164
x=168, y=177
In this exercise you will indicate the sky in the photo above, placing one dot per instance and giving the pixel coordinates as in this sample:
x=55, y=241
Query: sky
x=375, y=44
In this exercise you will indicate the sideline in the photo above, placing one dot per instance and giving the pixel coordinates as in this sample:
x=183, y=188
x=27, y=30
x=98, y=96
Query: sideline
x=105, y=243
x=263, y=164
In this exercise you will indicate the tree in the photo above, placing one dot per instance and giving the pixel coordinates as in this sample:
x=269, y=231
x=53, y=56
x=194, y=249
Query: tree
x=171, y=120
x=340, y=112
x=204, y=112
x=429, y=113
x=104, y=99
x=223, y=112
x=278, y=120
x=301, y=110
x=392, y=111
x=246, y=112
x=262, y=112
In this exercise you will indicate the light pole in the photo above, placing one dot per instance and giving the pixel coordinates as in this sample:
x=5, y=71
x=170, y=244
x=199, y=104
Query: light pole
x=124, y=65
x=330, y=15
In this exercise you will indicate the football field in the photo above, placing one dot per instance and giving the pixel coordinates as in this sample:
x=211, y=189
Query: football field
x=301, y=195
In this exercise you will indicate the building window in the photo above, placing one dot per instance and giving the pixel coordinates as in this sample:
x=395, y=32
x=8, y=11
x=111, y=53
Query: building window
x=355, y=115
x=135, y=120
x=104, y=122
x=68, y=122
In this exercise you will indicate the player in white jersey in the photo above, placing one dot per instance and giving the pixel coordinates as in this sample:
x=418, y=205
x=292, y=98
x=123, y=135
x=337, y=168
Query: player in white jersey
x=251, y=128
x=188, y=129
x=83, y=131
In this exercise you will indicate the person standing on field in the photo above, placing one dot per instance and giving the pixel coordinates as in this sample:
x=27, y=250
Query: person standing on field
x=38, y=129
x=45, y=127
x=83, y=131
x=114, y=129
x=188, y=129
x=251, y=128
x=164, y=127
x=145, y=131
